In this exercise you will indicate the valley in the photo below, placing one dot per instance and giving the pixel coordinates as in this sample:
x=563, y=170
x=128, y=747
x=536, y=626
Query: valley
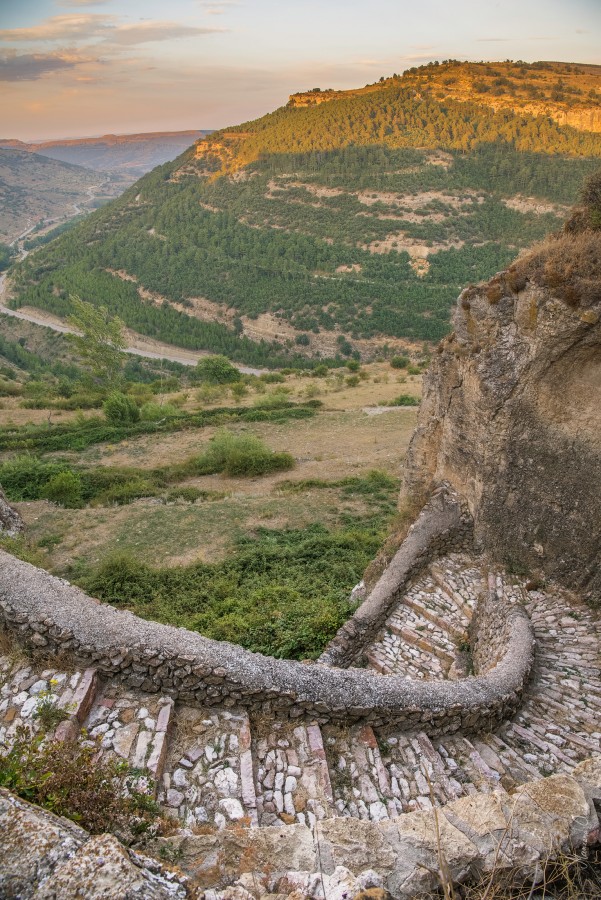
x=331, y=229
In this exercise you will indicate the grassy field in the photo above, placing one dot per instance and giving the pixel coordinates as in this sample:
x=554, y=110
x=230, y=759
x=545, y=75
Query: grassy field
x=287, y=547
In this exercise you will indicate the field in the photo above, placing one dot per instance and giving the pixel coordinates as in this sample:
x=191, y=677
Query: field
x=287, y=546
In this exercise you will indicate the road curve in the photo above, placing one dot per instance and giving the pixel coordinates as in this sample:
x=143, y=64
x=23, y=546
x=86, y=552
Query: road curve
x=134, y=351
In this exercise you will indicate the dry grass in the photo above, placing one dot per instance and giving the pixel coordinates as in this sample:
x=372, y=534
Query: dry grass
x=569, y=265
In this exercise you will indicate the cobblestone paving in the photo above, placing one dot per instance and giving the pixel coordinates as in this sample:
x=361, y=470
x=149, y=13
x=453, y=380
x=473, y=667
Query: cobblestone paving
x=215, y=767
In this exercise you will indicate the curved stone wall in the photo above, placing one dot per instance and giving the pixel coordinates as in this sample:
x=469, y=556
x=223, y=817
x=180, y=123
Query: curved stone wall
x=50, y=614
x=442, y=525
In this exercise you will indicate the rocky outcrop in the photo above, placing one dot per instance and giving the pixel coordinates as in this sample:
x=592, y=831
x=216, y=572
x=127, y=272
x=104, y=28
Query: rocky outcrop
x=47, y=857
x=511, y=417
x=11, y=522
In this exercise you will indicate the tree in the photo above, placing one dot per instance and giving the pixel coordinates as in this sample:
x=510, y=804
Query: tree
x=217, y=370
x=99, y=341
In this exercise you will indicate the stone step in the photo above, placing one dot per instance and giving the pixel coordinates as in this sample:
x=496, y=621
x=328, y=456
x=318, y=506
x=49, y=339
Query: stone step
x=132, y=727
x=208, y=776
x=291, y=773
x=455, y=628
x=465, y=605
x=361, y=782
x=26, y=691
x=472, y=768
x=420, y=641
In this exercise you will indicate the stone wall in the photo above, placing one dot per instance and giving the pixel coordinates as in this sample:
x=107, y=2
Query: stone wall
x=49, y=614
x=442, y=525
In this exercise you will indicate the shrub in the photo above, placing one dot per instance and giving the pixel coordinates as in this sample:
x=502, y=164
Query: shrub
x=405, y=400
x=64, y=488
x=69, y=780
x=414, y=370
x=400, y=362
x=153, y=412
x=217, y=370
x=120, y=409
x=241, y=455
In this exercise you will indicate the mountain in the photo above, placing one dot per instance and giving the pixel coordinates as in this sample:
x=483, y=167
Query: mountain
x=33, y=188
x=128, y=154
x=340, y=223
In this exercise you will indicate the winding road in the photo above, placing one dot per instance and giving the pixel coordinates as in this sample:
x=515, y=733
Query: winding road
x=172, y=355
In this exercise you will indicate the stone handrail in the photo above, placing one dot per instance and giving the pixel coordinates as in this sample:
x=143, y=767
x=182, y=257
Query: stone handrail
x=48, y=613
x=442, y=525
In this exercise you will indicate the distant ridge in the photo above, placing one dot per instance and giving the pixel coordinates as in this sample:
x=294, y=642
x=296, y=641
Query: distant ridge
x=131, y=154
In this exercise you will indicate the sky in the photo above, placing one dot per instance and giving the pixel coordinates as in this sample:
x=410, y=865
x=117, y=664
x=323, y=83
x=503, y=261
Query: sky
x=74, y=68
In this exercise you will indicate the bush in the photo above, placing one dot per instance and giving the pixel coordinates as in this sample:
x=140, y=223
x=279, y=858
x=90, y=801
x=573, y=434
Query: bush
x=217, y=370
x=64, y=488
x=189, y=494
x=405, y=400
x=400, y=362
x=120, y=409
x=277, y=399
x=241, y=455
x=124, y=493
x=25, y=477
x=591, y=197
x=272, y=378
x=153, y=412
x=69, y=780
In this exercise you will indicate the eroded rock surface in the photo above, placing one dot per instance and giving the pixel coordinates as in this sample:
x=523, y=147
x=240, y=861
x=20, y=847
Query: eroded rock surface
x=11, y=522
x=511, y=418
x=46, y=857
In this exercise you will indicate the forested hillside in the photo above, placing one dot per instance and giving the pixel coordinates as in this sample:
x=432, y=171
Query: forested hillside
x=323, y=229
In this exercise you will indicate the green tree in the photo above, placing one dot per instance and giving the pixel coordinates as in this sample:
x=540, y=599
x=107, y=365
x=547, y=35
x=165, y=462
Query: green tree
x=217, y=370
x=5, y=256
x=99, y=341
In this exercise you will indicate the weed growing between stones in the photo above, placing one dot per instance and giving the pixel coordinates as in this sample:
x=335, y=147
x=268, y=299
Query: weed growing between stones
x=47, y=712
x=69, y=780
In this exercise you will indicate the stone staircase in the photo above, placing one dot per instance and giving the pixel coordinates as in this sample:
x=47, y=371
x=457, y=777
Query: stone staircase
x=215, y=765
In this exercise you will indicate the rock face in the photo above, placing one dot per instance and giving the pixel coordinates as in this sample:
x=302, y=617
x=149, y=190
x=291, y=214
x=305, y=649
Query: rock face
x=11, y=522
x=47, y=857
x=511, y=416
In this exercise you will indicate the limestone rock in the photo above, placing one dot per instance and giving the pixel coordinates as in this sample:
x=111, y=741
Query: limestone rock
x=11, y=522
x=46, y=857
x=510, y=417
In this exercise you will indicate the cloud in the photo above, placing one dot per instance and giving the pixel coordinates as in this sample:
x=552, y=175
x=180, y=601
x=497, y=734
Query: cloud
x=88, y=26
x=217, y=7
x=61, y=28
x=77, y=3
x=493, y=40
x=31, y=66
x=147, y=32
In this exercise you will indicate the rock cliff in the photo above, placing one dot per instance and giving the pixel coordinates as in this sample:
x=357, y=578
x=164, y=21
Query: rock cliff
x=511, y=415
